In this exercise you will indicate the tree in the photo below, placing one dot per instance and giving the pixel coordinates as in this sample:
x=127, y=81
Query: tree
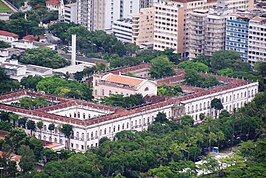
x=125, y=102
x=161, y=67
x=217, y=105
x=30, y=82
x=195, y=66
x=40, y=126
x=160, y=117
x=51, y=127
x=195, y=79
x=27, y=160
x=222, y=59
x=165, y=90
x=4, y=45
x=14, y=117
x=260, y=67
x=31, y=126
x=43, y=57
x=22, y=122
x=67, y=130
x=7, y=84
x=15, y=138
x=62, y=87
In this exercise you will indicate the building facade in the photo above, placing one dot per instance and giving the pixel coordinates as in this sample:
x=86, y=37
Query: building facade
x=142, y=26
x=8, y=37
x=171, y=18
x=91, y=121
x=237, y=35
x=257, y=40
x=122, y=30
x=70, y=13
x=108, y=84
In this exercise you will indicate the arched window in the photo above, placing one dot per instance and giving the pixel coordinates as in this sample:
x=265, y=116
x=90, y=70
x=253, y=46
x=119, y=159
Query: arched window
x=146, y=89
x=127, y=125
x=78, y=114
x=91, y=135
x=82, y=136
x=96, y=133
x=123, y=126
x=188, y=109
x=84, y=116
x=104, y=131
x=77, y=135
x=75, y=115
x=118, y=128
x=114, y=129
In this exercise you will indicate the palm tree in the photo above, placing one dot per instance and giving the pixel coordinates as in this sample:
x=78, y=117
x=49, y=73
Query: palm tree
x=220, y=137
x=217, y=105
x=40, y=126
x=67, y=130
x=14, y=118
x=212, y=138
x=22, y=121
x=31, y=126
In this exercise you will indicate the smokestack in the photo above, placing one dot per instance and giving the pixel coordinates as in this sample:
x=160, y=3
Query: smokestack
x=73, y=57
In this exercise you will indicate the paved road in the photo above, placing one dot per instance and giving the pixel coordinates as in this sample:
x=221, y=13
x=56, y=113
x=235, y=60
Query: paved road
x=12, y=7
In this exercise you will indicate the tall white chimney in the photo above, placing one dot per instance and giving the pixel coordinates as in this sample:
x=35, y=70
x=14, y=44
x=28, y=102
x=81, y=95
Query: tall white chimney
x=73, y=57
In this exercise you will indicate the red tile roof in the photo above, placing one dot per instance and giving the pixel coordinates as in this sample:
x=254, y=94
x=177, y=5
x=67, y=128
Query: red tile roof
x=53, y=2
x=122, y=79
x=32, y=38
x=6, y=33
x=230, y=84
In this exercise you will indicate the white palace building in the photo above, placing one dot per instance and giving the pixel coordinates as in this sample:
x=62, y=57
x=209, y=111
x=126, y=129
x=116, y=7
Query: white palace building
x=92, y=122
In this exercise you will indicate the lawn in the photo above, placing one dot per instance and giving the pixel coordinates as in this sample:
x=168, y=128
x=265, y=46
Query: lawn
x=4, y=8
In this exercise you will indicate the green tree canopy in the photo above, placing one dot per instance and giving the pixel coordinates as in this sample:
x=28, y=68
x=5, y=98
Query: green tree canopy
x=121, y=101
x=194, y=79
x=67, y=88
x=30, y=82
x=43, y=57
x=165, y=90
x=196, y=66
x=161, y=67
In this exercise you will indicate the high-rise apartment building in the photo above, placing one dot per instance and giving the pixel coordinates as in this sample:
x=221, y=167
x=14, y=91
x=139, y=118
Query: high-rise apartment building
x=170, y=22
x=237, y=34
x=206, y=31
x=122, y=30
x=142, y=26
x=85, y=13
x=257, y=40
x=100, y=14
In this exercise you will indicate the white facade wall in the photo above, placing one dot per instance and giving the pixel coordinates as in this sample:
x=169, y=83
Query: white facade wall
x=7, y=39
x=70, y=13
x=88, y=136
x=122, y=29
x=257, y=40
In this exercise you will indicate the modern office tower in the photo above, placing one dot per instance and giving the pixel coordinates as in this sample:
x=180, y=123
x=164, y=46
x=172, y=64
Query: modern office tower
x=142, y=27
x=237, y=34
x=122, y=30
x=257, y=40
